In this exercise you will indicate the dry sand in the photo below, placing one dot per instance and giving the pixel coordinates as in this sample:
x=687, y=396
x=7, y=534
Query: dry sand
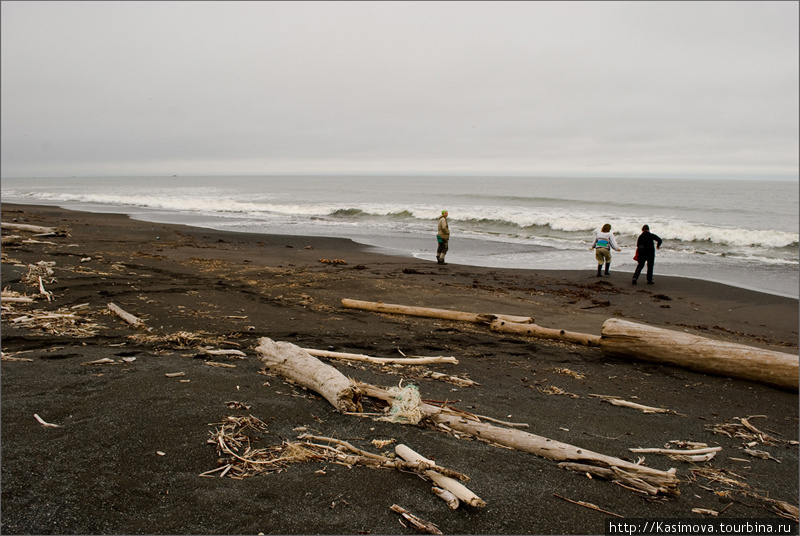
x=131, y=441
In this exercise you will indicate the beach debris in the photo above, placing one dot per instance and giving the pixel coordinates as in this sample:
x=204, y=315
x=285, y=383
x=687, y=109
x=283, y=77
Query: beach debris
x=587, y=505
x=42, y=231
x=427, y=312
x=43, y=423
x=405, y=405
x=233, y=404
x=652, y=480
x=161, y=453
x=455, y=487
x=501, y=325
x=334, y=261
x=733, y=485
x=571, y=373
x=127, y=317
x=455, y=380
x=180, y=339
x=617, y=401
x=452, y=501
x=686, y=455
x=411, y=360
x=553, y=390
x=622, y=338
x=381, y=443
x=103, y=361
x=129, y=359
x=40, y=269
x=763, y=454
x=174, y=374
x=237, y=354
x=7, y=357
x=705, y=511
x=11, y=296
x=296, y=364
x=419, y=524
x=220, y=365
x=747, y=432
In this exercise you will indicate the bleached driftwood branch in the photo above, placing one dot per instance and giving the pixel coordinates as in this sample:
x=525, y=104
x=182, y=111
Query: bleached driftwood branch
x=427, y=312
x=413, y=360
x=501, y=326
x=127, y=317
x=453, y=486
x=420, y=524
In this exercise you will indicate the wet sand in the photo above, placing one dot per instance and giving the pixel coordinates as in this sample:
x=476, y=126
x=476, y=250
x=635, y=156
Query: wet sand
x=132, y=442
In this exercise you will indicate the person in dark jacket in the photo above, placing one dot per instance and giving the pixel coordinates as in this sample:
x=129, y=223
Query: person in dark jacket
x=646, y=253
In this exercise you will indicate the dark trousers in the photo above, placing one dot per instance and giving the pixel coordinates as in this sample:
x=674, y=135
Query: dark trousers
x=639, y=267
x=442, y=249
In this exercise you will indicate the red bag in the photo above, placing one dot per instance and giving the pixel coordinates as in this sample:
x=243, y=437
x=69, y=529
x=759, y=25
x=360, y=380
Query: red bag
x=636, y=255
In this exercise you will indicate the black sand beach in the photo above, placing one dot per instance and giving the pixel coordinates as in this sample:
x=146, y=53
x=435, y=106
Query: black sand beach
x=131, y=441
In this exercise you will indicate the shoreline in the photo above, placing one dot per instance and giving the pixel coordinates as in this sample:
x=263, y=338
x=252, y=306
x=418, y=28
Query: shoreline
x=132, y=441
x=414, y=247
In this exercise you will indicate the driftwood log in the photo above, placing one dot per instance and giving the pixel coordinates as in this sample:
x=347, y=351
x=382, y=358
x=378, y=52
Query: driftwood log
x=502, y=326
x=295, y=364
x=632, y=340
x=413, y=360
x=427, y=312
x=29, y=228
x=126, y=316
x=450, y=484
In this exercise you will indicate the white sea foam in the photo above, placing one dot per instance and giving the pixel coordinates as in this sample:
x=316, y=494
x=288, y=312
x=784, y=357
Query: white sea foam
x=729, y=224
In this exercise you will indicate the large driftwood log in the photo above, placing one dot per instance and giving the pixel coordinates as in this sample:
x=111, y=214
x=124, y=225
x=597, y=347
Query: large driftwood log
x=501, y=326
x=295, y=364
x=427, y=312
x=629, y=339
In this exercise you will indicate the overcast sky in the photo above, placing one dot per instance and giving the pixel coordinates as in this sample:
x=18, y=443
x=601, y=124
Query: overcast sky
x=674, y=89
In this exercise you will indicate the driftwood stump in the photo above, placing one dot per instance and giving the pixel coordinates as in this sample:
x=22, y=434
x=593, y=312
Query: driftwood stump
x=295, y=364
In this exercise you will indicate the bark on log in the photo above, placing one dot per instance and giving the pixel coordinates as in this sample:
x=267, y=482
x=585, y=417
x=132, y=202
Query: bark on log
x=638, y=341
x=501, y=326
x=427, y=312
x=382, y=360
x=127, y=317
x=453, y=486
x=297, y=365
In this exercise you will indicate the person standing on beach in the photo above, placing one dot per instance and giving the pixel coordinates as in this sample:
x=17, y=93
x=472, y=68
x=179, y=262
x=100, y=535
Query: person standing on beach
x=442, y=237
x=604, y=242
x=646, y=253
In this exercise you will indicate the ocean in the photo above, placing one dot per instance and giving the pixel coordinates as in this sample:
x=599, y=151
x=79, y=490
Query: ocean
x=739, y=232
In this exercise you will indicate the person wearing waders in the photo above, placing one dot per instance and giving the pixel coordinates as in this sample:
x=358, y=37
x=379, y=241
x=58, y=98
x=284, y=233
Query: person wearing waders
x=603, y=243
x=442, y=237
